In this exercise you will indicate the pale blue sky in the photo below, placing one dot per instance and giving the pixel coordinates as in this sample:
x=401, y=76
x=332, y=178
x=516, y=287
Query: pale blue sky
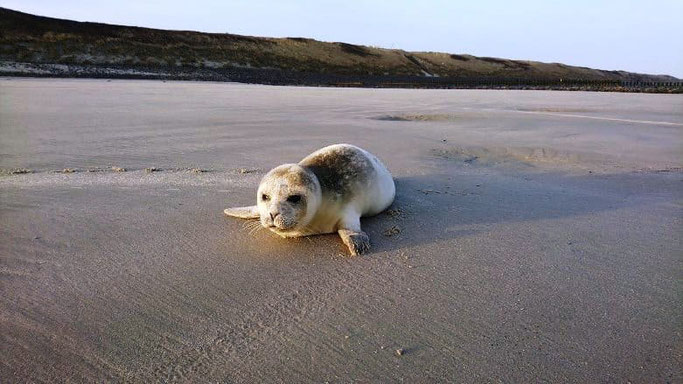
x=640, y=36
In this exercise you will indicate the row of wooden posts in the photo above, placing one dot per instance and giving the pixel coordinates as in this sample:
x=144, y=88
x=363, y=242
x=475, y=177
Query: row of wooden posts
x=502, y=82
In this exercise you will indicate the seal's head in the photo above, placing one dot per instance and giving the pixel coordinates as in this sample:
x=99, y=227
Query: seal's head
x=287, y=199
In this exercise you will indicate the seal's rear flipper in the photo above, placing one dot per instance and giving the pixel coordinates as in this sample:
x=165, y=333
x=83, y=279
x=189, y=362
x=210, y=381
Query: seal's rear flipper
x=243, y=212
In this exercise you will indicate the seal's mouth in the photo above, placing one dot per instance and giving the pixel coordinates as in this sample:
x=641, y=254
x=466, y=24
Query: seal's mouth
x=282, y=228
x=279, y=226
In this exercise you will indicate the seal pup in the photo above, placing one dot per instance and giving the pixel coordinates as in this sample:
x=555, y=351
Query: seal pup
x=326, y=192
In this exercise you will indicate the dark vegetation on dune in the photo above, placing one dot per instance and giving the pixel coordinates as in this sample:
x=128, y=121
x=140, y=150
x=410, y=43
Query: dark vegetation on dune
x=37, y=40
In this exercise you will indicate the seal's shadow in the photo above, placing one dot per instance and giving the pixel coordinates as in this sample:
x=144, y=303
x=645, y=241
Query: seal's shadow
x=432, y=208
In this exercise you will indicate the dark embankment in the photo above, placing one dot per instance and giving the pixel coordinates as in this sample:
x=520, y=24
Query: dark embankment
x=41, y=46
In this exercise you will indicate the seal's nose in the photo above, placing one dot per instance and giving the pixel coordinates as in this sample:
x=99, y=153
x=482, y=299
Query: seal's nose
x=273, y=215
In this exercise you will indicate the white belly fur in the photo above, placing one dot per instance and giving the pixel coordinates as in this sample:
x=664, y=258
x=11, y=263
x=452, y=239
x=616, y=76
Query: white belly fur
x=381, y=191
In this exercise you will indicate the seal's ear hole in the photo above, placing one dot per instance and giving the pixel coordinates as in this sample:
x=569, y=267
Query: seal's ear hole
x=294, y=199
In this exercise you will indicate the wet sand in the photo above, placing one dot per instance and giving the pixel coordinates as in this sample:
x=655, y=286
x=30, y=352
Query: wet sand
x=535, y=236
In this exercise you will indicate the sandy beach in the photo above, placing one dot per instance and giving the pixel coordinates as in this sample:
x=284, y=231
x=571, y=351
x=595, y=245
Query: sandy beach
x=535, y=237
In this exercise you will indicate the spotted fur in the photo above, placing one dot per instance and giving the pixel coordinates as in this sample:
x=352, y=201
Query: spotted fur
x=342, y=171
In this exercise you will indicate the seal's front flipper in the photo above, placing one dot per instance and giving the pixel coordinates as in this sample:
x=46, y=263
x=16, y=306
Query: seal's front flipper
x=358, y=242
x=243, y=212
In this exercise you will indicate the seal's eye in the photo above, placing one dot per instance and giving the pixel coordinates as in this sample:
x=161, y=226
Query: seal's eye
x=265, y=197
x=294, y=199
